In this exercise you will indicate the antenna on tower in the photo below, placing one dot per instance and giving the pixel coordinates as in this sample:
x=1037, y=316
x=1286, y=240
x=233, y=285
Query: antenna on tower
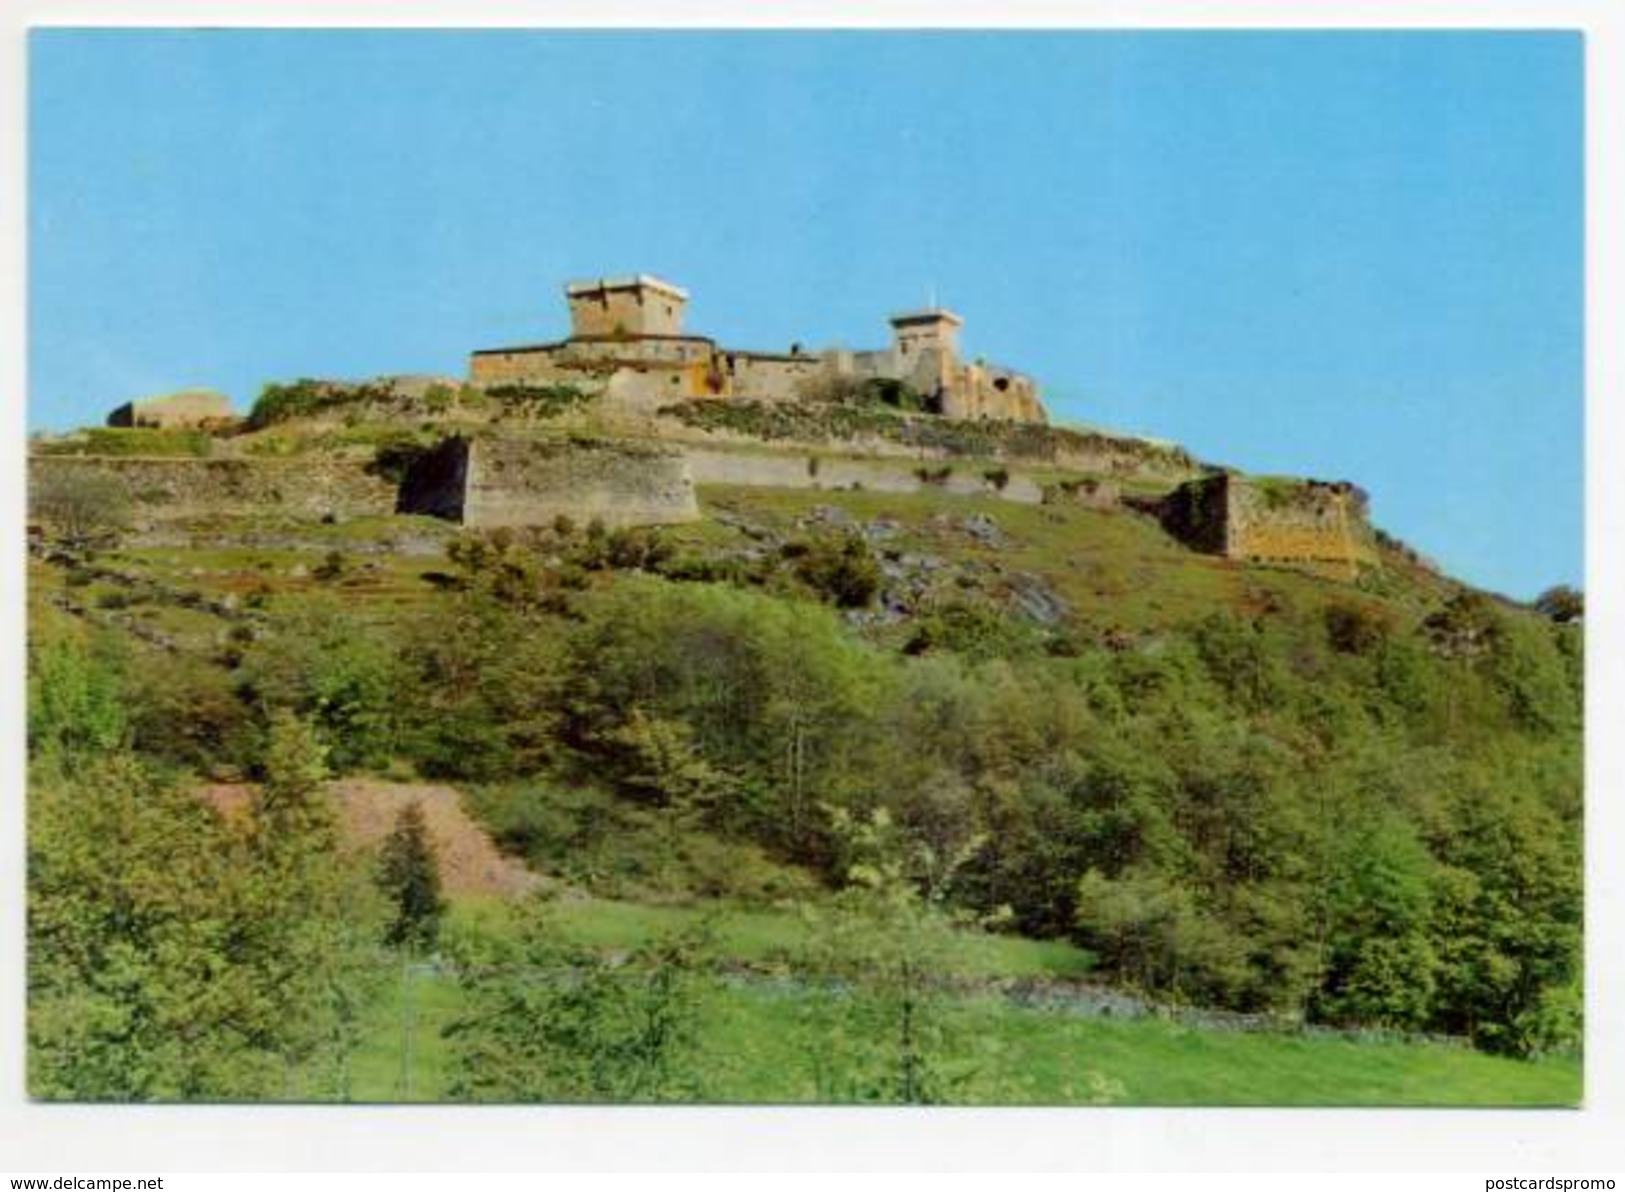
x=931, y=296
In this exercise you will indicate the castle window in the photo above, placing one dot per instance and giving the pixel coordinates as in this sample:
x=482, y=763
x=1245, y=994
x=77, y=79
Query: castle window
x=1001, y=383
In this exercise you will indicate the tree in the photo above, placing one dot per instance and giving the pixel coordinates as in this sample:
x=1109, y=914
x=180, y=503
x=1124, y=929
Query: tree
x=85, y=507
x=1562, y=604
x=133, y=989
x=1380, y=963
x=546, y=1020
x=307, y=919
x=879, y=1023
x=663, y=765
x=341, y=675
x=409, y=875
x=294, y=821
x=1148, y=930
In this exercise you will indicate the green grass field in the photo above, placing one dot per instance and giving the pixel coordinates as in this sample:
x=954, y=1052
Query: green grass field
x=755, y=1049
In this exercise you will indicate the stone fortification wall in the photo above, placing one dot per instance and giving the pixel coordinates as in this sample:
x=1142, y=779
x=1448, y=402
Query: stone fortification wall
x=810, y=471
x=988, y=391
x=1323, y=526
x=643, y=390
x=762, y=377
x=634, y=373
x=531, y=366
x=859, y=430
x=527, y=482
x=180, y=489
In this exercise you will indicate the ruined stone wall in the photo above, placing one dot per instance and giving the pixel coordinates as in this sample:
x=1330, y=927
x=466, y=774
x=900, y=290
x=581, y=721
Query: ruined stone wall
x=179, y=489
x=1303, y=521
x=530, y=482
x=1322, y=526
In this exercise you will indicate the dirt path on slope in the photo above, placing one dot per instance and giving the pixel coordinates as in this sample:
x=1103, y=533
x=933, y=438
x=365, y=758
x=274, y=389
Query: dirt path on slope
x=470, y=864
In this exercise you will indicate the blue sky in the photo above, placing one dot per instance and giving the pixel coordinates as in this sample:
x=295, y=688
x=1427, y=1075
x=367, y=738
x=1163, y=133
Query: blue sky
x=1343, y=255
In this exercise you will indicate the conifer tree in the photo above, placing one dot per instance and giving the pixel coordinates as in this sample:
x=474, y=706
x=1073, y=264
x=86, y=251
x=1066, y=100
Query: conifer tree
x=409, y=875
x=307, y=916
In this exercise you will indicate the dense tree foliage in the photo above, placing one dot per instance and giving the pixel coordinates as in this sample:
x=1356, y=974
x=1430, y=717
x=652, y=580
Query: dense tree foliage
x=176, y=953
x=1349, y=813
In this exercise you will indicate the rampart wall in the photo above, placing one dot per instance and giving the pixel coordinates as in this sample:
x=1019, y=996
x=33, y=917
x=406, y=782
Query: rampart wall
x=811, y=471
x=1325, y=526
x=179, y=489
x=526, y=482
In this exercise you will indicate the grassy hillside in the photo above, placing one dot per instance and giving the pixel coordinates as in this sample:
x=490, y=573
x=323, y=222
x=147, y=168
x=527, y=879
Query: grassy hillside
x=910, y=747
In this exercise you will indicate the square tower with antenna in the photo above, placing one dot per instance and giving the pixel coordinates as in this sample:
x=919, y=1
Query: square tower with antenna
x=625, y=307
x=918, y=331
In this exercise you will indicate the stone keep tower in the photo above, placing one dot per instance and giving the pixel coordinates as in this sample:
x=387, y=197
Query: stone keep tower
x=625, y=307
x=925, y=347
x=915, y=330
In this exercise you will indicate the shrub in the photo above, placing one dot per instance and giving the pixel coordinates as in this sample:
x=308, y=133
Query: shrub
x=299, y=399
x=841, y=570
x=188, y=713
x=1356, y=628
x=972, y=628
x=331, y=567
x=539, y=401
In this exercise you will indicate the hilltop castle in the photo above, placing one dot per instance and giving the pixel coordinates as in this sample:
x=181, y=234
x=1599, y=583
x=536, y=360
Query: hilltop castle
x=626, y=335
x=624, y=419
